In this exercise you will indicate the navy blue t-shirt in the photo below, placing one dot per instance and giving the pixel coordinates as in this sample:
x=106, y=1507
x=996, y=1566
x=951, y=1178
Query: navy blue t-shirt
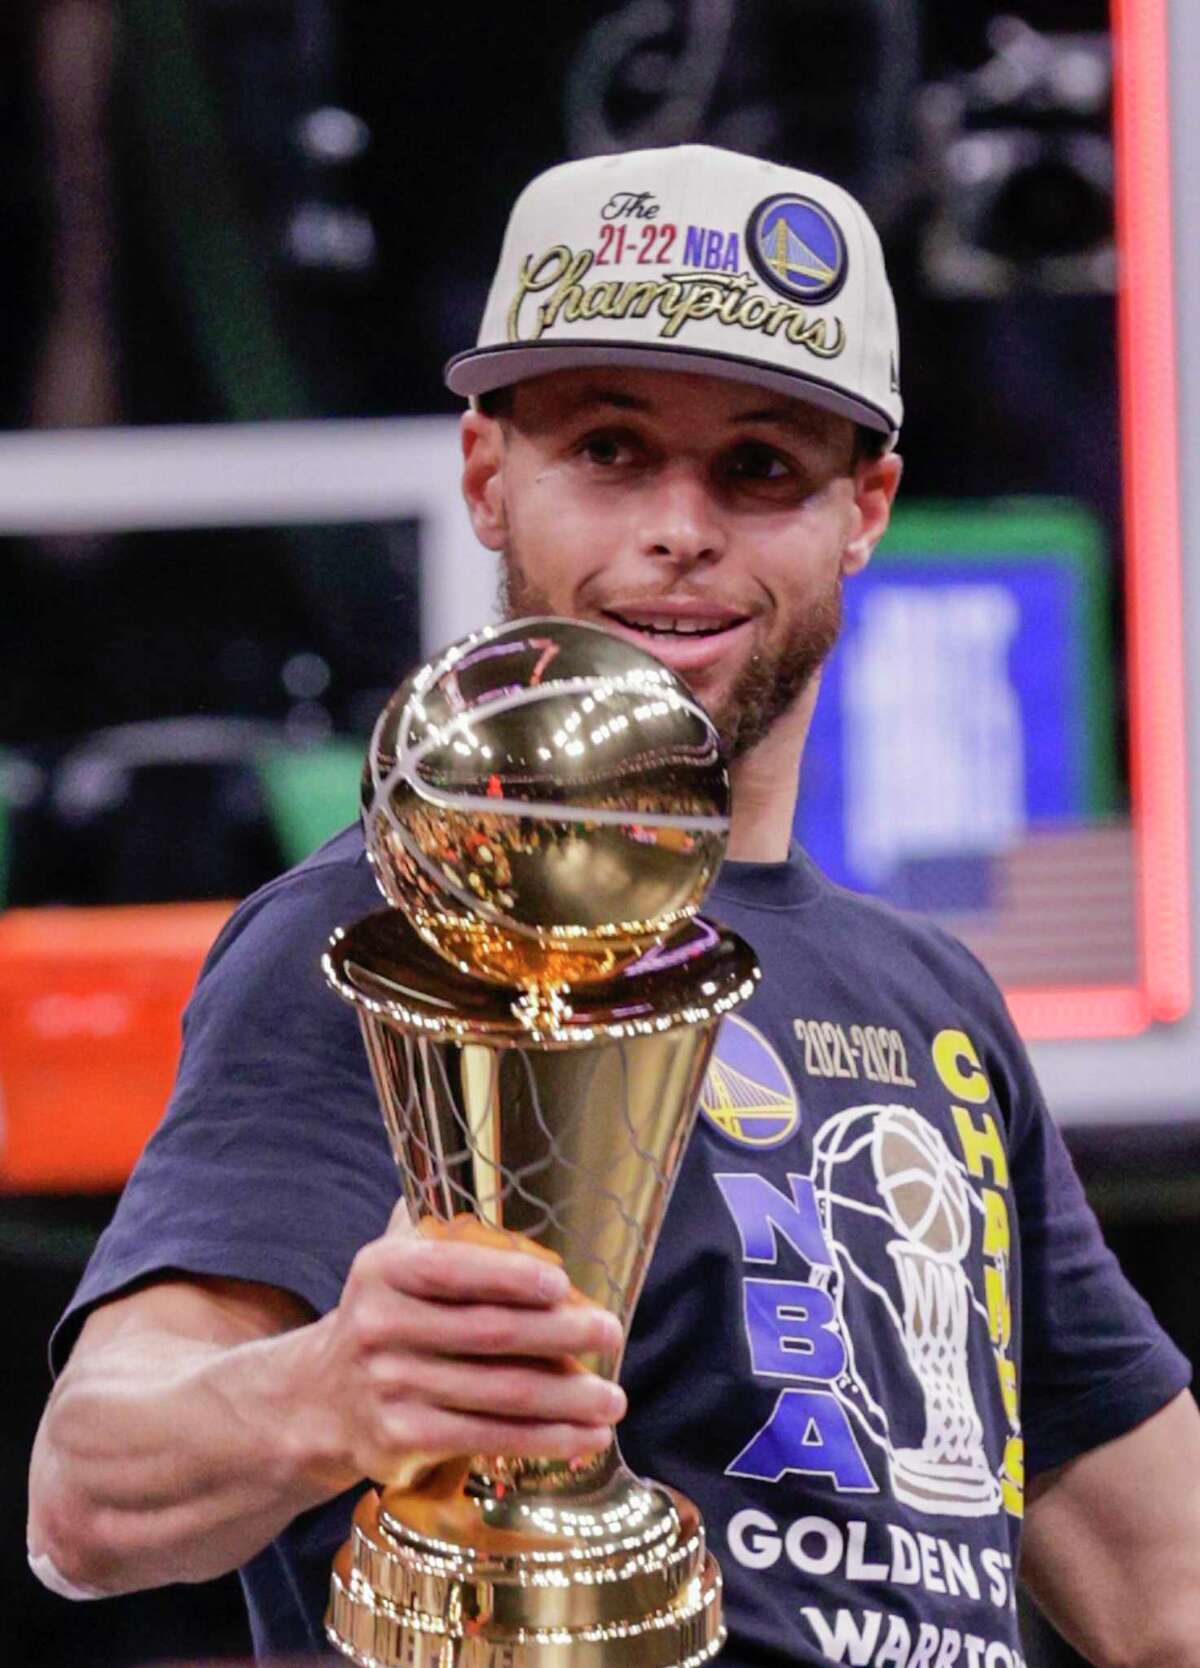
x=878, y=1302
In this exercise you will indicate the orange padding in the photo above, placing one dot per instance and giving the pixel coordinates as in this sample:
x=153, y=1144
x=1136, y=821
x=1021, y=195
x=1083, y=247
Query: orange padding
x=90, y=1002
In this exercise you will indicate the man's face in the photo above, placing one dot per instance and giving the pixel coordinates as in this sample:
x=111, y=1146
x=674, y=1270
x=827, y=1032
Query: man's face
x=709, y=521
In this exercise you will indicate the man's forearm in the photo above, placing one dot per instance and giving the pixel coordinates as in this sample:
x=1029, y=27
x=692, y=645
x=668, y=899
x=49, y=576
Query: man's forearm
x=197, y=1418
x=165, y=1459
x=1111, y=1545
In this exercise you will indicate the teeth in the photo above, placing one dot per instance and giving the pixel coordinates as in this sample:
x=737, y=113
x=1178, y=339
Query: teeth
x=669, y=625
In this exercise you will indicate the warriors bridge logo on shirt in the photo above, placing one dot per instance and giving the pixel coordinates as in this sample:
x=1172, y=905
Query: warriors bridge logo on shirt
x=747, y=1095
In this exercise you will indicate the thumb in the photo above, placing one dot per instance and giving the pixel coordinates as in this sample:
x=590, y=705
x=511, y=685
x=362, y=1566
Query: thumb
x=400, y=1221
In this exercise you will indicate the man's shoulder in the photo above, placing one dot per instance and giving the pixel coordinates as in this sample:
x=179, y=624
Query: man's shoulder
x=874, y=923
x=340, y=862
x=300, y=908
x=889, y=918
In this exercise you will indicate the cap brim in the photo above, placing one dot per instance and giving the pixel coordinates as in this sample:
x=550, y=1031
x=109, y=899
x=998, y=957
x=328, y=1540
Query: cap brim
x=482, y=370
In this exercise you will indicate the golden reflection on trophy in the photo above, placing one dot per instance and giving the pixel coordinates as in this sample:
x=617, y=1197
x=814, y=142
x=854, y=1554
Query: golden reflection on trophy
x=545, y=808
x=473, y=782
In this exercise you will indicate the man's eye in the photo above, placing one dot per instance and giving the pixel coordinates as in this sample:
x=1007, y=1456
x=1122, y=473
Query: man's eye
x=758, y=463
x=607, y=449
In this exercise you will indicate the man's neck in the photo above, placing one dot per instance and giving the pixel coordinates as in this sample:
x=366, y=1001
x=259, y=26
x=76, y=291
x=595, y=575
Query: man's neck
x=764, y=784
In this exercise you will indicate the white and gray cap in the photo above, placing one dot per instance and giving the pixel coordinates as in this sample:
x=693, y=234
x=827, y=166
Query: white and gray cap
x=694, y=259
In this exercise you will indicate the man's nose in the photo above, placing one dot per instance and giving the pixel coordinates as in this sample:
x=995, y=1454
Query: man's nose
x=680, y=521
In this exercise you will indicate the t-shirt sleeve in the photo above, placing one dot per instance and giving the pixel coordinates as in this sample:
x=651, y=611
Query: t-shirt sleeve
x=271, y=1163
x=1094, y=1360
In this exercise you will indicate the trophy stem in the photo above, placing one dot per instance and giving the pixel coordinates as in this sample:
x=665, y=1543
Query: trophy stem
x=555, y=1128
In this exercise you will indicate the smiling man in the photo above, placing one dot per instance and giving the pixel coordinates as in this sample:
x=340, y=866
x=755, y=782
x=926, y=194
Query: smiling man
x=881, y=1343
x=740, y=593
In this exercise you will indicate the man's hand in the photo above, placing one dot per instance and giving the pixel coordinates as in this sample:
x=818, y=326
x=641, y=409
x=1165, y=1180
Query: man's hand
x=446, y=1346
x=197, y=1417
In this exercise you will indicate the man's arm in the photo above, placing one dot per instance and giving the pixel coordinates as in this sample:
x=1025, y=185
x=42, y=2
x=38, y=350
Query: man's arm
x=195, y=1419
x=1111, y=1546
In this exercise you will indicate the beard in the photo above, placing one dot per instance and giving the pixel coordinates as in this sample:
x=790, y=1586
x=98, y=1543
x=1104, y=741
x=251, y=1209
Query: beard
x=766, y=688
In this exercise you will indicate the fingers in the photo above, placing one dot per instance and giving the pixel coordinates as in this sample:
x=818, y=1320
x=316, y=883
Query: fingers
x=451, y=1345
x=484, y=1330
x=465, y=1302
x=460, y=1273
x=440, y=1431
x=440, y=1405
x=506, y=1389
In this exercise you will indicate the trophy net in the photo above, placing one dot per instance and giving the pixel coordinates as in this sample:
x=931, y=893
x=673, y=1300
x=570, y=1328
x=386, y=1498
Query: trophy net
x=516, y=1140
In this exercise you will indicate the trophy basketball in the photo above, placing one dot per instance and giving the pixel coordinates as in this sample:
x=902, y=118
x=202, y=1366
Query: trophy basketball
x=545, y=808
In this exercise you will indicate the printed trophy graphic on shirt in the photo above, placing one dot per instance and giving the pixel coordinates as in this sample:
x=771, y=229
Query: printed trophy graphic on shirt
x=926, y=1204
x=545, y=808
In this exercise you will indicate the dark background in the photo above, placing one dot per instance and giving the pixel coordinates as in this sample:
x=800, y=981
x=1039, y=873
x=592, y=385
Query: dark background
x=202, y=297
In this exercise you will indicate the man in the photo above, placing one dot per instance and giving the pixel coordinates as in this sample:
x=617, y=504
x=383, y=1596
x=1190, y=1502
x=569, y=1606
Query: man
x=881, y=1324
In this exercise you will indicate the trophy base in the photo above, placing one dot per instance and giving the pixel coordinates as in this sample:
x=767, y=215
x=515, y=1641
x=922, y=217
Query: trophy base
x=610, y=1572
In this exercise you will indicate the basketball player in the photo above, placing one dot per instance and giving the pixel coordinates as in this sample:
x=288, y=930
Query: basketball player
x=881, y=1333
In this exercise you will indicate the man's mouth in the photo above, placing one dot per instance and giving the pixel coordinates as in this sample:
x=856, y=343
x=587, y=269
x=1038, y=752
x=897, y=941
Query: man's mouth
x=666, y=624
x=695, y=639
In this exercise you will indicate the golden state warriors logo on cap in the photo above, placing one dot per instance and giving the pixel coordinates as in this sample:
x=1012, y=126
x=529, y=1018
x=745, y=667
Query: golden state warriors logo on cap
x=747, y=1094
x=797, y=247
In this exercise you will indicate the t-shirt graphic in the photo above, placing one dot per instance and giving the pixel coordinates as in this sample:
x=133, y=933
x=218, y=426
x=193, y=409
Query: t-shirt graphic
x=882, y=1176
x=876, y=1311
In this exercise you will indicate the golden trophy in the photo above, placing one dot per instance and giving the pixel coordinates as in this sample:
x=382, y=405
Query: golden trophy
x=545, y=808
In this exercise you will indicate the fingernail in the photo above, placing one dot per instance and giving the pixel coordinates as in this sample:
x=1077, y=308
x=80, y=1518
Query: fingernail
x=552, y=1282
x=611, y=1398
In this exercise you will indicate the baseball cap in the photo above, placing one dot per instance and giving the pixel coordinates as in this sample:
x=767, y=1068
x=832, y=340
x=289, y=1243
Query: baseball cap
x=693, y=258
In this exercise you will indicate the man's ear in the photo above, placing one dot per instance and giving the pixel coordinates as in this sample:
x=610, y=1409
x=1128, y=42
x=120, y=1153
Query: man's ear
x=483, y=478
x=876, y=481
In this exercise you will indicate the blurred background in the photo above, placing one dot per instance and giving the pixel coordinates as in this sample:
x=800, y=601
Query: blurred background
x=242, y=238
